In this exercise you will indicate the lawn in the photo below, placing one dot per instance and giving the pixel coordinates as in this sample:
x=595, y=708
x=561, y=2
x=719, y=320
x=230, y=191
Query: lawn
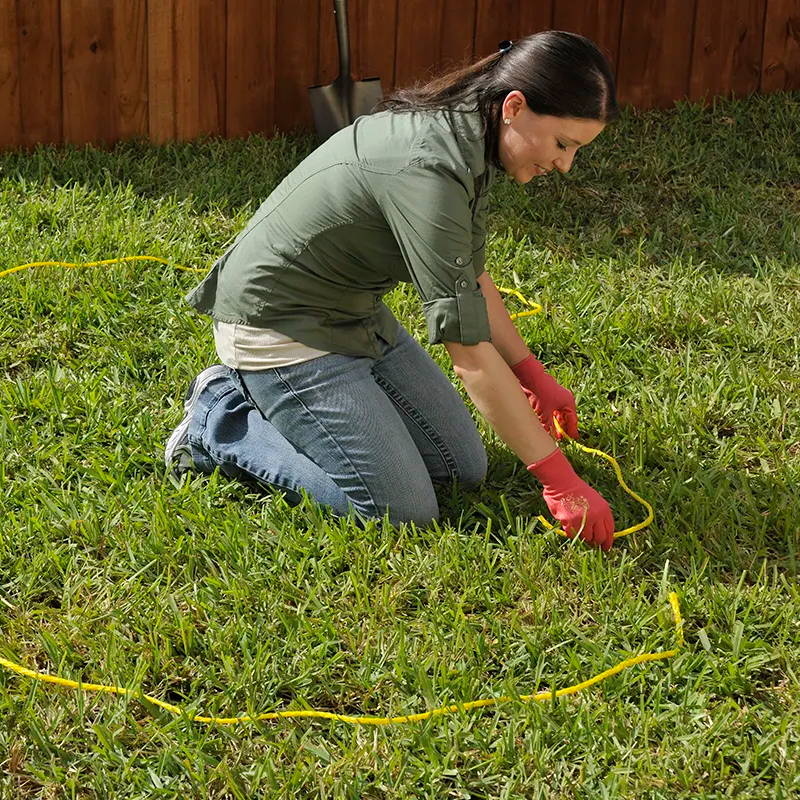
x=668, y=265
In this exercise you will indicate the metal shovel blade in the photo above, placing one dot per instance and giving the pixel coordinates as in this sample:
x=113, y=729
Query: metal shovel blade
x=364, y=96
x=331, y=109
x=336, y=105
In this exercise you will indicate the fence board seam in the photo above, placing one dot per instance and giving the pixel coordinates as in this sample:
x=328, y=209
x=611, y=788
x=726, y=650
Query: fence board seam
x=691, y=51
x=617, y=56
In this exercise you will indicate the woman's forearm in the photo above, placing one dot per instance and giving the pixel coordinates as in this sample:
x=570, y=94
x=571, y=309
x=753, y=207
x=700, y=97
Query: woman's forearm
x=496, y=393
x=505, y=336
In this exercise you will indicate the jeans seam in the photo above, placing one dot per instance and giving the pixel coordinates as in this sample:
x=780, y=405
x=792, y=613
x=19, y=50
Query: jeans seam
x=413, y=413
x=217, y=458
x=221, y=459
x=275, y=484
x=332, y=439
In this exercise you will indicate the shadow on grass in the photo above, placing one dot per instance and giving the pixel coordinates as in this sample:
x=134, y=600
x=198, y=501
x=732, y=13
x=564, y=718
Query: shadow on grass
x=718, y=184
x=210, y=173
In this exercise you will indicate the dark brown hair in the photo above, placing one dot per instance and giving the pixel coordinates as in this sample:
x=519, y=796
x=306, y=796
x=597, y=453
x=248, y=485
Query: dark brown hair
x=561, y=74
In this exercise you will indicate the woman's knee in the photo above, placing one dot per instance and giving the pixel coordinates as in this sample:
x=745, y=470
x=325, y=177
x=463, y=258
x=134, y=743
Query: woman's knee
x=420, y=507
x=410, y=502
x=421, y=516
x=471, y=466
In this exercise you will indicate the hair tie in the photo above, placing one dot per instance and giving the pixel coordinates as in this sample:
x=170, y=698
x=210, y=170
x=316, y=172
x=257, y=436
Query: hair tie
x=505, y=45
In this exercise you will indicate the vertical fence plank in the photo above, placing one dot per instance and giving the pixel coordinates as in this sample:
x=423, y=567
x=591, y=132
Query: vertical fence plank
x=40, y=71
x=87, y=41
x=328, y=66
x=780, y=65
x=373, y=25
x=458, y=33
x=186, y=38
x=161, y=70
x=496, y=20
x=296, y=63
x=200, y=32
x=11, y=126
x=535, y=17
x=40, y=74
x=509, y=19
x=598, y=20
x=211, y=86
x=655, y=52
x=105, y=70
x=130, y=67
x=419, y=28
x=727, y=48
x=433, y=36
x=250, y=74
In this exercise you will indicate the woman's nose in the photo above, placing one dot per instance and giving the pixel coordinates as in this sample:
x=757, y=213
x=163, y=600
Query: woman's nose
x=564, y=162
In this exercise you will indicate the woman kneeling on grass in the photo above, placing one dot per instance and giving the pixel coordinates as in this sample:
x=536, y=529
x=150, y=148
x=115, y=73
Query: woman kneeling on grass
x=320, y=388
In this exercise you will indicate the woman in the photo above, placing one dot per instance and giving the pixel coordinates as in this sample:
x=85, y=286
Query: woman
x=320, y=388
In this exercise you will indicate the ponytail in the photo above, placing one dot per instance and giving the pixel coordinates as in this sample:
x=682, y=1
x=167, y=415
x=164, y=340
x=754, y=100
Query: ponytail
x=560, y=74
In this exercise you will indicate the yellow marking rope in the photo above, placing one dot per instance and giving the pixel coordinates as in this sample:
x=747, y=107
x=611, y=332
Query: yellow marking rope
x=46, y=677
x=273, y=715
x=107, y=261
x=535, y=308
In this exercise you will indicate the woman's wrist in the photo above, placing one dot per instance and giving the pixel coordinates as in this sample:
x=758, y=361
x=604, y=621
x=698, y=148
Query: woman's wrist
x=528, y=367
x=554, y=470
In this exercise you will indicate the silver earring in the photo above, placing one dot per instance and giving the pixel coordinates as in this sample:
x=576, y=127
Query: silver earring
x=507, y=121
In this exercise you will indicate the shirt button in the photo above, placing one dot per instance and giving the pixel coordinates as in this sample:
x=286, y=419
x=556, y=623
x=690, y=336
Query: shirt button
x=463, y=284
x=459, y=261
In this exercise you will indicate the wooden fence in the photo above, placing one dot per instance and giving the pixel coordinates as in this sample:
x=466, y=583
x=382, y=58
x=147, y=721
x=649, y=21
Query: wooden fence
x=102, y=70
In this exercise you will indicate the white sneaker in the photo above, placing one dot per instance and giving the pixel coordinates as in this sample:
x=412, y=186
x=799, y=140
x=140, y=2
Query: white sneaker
x=178, y=451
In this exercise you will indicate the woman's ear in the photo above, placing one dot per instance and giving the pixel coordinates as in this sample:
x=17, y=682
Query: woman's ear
x=513, y=103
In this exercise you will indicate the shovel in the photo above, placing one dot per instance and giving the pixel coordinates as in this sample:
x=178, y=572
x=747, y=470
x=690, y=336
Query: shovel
x=336, y=105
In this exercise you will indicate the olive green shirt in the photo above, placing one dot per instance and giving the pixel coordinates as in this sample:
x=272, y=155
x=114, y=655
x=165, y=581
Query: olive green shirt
x=396, y=196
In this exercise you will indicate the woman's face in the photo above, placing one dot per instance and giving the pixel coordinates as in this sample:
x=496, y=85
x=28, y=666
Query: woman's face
x=533, y=144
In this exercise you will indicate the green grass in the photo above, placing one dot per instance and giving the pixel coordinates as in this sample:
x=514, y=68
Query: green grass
x=668, y=264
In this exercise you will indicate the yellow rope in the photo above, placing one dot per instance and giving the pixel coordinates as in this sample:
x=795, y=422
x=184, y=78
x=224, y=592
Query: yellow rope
x=45, y=677
x=107, y=261
x=535, y=308
x=451, y=709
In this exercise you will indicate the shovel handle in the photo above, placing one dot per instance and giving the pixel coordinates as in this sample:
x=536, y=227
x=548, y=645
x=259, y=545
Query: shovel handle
x=340, y=10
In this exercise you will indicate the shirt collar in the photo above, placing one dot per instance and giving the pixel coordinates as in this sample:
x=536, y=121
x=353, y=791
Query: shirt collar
x=468, y=124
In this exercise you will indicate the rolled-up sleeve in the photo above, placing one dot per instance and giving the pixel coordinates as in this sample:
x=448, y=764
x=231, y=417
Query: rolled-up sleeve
x=428, y=211
x=479, y=227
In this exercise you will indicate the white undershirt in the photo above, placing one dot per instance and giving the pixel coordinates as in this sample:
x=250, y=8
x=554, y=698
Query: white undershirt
x=249, y=348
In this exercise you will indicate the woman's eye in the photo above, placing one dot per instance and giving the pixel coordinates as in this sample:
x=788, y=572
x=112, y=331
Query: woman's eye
x=561, y=146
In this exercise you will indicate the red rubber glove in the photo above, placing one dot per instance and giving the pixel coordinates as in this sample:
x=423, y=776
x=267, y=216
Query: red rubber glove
x=573, y=502
x=547, y=397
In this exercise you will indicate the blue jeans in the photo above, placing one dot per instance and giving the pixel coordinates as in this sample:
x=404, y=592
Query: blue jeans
x=364, y=435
